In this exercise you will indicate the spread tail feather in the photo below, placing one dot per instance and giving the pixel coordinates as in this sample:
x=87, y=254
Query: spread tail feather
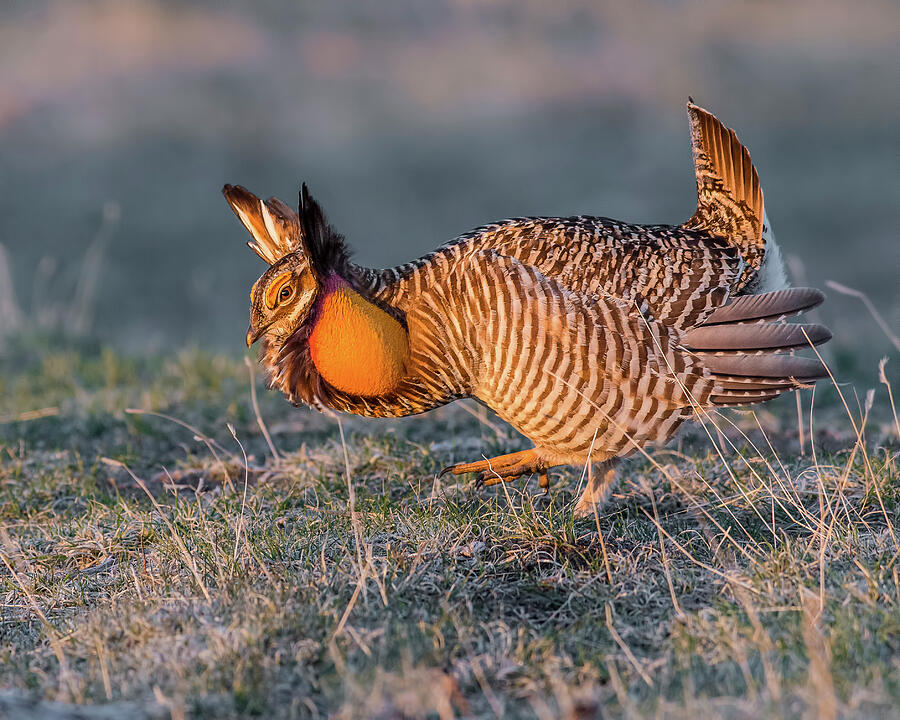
x=769, y=306
x=749, y=356
x=729, y=197
x=745, y=338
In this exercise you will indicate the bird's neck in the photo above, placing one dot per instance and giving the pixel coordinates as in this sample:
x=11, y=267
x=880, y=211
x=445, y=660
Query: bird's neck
x=356, y=346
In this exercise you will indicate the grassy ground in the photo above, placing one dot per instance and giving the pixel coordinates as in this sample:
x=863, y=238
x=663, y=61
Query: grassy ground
x=149, y=569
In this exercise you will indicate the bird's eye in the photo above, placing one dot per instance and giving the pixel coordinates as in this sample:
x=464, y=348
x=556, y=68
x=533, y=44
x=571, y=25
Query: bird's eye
x=285, y=293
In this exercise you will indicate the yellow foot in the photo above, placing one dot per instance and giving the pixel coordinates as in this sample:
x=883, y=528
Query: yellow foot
x=500, y=469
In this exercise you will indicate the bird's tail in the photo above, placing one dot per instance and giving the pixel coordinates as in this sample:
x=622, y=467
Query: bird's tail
x=749, y=350
x=729, y=197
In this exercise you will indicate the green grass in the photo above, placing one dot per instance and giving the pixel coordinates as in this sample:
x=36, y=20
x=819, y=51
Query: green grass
x=147, y=569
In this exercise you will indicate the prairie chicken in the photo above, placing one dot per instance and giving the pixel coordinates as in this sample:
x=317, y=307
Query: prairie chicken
x=592, y=337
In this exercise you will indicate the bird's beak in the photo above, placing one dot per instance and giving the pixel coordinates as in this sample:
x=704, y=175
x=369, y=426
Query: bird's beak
x=253, y=335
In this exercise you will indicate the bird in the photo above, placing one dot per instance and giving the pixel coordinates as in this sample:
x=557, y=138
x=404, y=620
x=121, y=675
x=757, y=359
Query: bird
x=592, y=337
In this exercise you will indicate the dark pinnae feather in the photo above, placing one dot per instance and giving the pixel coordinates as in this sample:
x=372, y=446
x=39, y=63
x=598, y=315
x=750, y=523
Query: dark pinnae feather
x=326, y=248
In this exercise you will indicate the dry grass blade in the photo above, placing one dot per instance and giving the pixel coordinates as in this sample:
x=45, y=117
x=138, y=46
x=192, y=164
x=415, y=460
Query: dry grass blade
x=689, y=556
x=240, y=523
x=882, y=378
x=256, y=412
x=186, y=555
x=351, y=501
x=480, y=414
x=29, y=415
x=80, y=313
x=821, y=684
x=10, y=312
x=873, y=311
x=202, y=437
x=625, y=649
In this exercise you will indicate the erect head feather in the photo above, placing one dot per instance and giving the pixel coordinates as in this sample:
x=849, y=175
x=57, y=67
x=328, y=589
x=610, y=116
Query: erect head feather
x=272, y=224
x=278, y=231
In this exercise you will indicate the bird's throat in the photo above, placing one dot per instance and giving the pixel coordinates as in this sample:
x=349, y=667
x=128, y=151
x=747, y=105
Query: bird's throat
x=356, y=346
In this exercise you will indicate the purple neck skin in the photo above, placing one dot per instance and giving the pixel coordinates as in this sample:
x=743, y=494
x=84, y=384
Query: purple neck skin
x=332, y=284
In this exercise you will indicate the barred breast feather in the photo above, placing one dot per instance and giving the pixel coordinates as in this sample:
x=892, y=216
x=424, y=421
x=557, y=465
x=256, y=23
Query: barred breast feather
x=566, y=369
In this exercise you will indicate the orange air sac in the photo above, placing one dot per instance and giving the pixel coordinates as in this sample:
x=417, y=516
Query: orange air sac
x=356, y=346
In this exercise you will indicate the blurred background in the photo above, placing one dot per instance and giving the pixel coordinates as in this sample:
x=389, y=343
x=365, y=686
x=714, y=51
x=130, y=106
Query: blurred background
x=413, y=122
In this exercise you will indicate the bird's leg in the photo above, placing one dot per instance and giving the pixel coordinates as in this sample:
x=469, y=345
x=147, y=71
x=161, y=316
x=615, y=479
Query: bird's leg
x=599, y=485
x=502, y=468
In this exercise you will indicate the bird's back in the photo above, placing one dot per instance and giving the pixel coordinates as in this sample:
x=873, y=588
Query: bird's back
x=658, y=268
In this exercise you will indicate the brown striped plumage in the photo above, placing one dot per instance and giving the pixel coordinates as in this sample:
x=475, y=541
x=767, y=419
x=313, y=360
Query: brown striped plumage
x=592, y=337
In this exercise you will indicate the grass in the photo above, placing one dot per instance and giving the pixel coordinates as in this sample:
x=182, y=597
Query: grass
x=150, y=568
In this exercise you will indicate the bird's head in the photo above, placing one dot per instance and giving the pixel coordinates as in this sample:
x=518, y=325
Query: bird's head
x=281, y=299
x=302, y=251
